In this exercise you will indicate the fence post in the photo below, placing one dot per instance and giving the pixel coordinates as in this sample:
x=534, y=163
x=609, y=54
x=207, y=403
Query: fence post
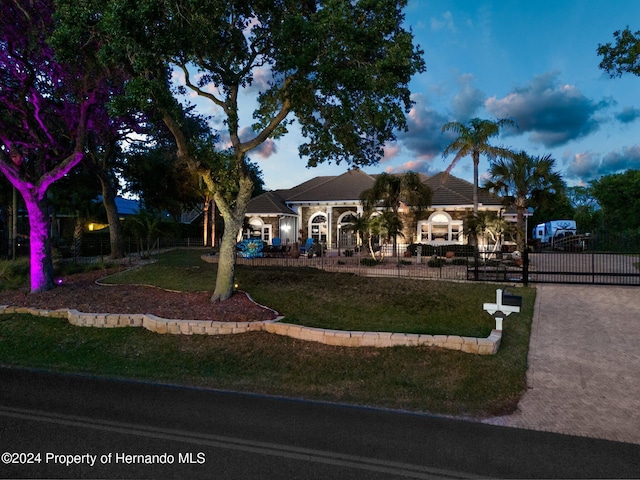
x=476, y=251
x=525, y=266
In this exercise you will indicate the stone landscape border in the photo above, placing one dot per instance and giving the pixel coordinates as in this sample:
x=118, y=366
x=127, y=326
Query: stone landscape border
x=153, y=323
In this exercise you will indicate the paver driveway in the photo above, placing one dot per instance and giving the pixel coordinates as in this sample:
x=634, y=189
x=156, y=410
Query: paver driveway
x=584, y=363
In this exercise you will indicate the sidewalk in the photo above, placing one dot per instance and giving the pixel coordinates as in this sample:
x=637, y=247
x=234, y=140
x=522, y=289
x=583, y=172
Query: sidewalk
x=584, y=363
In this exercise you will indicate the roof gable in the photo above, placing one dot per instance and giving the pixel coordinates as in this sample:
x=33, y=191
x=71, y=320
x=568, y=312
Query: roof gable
x=448, y=191
x=347, y=186
x=269, y=203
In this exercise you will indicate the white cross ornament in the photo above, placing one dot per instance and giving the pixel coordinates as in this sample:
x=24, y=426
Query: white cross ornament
x=498, y=310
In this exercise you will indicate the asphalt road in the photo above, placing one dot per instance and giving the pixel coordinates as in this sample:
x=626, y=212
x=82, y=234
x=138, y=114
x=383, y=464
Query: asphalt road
x=68, y=426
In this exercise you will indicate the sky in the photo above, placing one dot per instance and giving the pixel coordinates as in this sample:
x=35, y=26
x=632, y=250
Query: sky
x=532, y=61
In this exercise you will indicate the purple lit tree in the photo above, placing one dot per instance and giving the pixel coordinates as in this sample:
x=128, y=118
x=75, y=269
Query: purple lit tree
x=45, y=114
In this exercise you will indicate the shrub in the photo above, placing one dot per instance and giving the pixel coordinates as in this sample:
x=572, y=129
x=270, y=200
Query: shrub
x=13, y=273
x=459, y=261
x=369, y=262
x=440, y=250
x=437, y=262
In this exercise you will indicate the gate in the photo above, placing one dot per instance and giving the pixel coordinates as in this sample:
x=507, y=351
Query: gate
x=591, y=260
x=598, y=268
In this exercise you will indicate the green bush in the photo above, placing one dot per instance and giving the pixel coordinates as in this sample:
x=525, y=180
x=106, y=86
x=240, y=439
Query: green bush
x=459, y=261
x=14, y=273
x=437, y=262
x=440, y=250
x=369, y=262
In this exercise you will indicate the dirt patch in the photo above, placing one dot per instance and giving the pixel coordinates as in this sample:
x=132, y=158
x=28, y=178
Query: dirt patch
x=80, y=292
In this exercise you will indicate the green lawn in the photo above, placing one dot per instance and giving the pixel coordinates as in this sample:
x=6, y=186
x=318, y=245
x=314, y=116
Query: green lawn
x=417, y=378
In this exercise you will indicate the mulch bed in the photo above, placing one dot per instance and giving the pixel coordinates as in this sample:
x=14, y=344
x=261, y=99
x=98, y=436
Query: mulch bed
x=80, y=292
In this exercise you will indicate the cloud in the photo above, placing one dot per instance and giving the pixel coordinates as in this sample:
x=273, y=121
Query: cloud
x=588, y=166
x=582, y=166
x=264, y=150
x=628, y=115
x=443, y=22
x=467, y=102
x=391, y=150
x=262, y=80
x=628, y=157
x=552, y=113
x=424, y=137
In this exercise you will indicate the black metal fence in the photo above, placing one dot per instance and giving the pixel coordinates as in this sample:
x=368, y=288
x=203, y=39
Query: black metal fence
x=603, y=260
x=600, y=268
x=447, y=266
x=600, y=260
x=97, y=248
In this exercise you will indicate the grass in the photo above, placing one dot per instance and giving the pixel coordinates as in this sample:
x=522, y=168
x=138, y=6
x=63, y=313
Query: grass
x=13, y=274
x=415, y=378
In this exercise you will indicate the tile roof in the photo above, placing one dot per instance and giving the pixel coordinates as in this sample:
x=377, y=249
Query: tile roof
x=447, y=190
x=270, y=203
x=450, y=190
x=347, y=186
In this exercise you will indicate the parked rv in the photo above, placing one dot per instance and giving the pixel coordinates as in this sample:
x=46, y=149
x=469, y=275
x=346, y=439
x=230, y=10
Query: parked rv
x=547, y=232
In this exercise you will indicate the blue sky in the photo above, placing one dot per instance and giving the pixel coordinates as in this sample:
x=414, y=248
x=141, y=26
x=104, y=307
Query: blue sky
x=534, y=61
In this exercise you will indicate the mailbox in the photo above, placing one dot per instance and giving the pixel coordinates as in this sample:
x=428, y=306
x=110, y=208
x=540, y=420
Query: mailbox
x=505, y=305
x=511, y=300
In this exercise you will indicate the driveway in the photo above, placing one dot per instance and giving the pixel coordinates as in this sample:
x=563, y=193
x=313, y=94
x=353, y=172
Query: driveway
x=584, y=362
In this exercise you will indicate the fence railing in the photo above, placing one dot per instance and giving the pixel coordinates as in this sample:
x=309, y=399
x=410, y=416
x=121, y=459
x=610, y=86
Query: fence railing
x=98, y=248
x=584, y=267
x=432, y=267
x=462, y=263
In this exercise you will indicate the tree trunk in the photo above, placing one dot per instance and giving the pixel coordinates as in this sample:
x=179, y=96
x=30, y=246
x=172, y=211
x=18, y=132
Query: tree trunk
x=475, y=186
x=76, y=242
x=225, y=278
x=521, y=228
x=213, y=223
x=473, y=235
x=205, y=227
x=115, y=228
x=14, y=223
x=233, y=220
x=41, y=265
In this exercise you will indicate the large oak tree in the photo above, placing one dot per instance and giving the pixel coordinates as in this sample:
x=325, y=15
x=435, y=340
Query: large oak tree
x=339, y=68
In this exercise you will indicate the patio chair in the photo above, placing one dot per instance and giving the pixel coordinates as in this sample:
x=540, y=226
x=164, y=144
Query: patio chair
x=307, y=245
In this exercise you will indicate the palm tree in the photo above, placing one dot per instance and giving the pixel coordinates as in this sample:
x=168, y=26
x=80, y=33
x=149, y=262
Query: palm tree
x=489, y=225
x=525, y=181
x=389, y=193
x=473, y=138
x=359, y=224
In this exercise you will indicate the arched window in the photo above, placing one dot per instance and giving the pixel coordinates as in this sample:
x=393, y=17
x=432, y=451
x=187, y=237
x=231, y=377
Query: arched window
x=347, y=236
x=319, y=227
x=440, y=228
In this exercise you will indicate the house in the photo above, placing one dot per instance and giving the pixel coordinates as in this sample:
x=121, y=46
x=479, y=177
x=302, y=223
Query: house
x=126, y=207
x=322, y=208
